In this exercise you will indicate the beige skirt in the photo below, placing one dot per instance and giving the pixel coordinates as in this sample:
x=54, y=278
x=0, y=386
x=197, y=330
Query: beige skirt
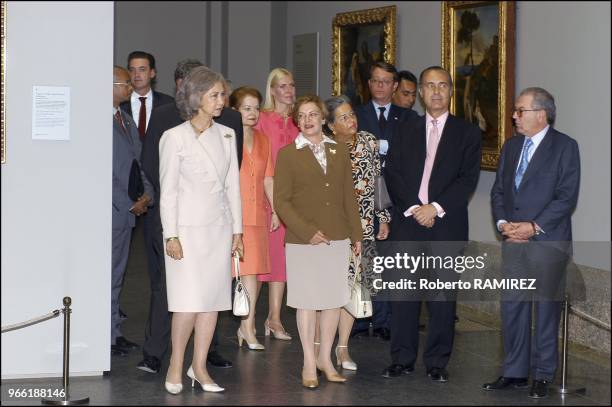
x=202, y=280
x=317, y=275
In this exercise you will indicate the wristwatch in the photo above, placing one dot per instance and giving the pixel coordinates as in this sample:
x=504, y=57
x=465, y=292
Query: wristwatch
x=536, y=229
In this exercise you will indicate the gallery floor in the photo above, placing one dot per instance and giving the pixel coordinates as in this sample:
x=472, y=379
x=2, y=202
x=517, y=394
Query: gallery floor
x=272, y=377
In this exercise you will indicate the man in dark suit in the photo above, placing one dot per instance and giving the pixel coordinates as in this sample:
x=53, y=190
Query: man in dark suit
x=432, y=169
x=534, y=195
x=157, y=330
x=380, y=117
x=144, y=100
x=406, y=93
x=126, y=202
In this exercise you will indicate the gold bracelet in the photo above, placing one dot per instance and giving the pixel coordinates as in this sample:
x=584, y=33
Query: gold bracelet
x=171, y=238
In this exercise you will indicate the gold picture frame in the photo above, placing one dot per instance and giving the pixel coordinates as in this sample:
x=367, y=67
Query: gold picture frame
x=3, y=84
x=359, y=39
x=478, y=49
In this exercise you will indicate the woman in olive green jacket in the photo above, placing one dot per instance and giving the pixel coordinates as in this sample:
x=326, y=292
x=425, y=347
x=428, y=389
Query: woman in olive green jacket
x=315, y=198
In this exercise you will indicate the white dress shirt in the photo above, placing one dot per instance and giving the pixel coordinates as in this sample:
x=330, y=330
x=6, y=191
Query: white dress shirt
x=383, y=144
x=135, y=102
x=428, y=125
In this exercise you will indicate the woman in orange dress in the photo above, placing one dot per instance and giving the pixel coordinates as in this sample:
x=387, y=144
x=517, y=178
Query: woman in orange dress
x=256, y=183
x=276, y=123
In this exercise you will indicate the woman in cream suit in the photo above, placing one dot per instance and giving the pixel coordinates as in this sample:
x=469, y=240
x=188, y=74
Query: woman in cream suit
x=202, y=221
x=315, y=198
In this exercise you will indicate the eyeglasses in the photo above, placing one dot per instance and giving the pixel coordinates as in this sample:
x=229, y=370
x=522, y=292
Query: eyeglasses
x=311, y=115
x=345, y=117
x=128, y=83
x=519, y=112
x=386, y=82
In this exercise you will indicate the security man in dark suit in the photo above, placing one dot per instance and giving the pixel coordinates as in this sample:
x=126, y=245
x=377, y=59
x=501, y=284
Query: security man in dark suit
x=157, y=330
x=380, y=117
x=128, y=201
x=144, y=100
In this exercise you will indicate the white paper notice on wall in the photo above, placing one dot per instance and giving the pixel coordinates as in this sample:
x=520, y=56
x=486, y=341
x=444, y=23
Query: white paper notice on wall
x=50, y=113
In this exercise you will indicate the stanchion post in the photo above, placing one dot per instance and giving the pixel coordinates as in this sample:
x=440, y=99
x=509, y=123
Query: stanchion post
x=67, y=312
x=565, y=350
x=66, y=400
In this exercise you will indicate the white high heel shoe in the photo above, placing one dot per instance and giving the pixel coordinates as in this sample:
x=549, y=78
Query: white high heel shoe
x=277, y=333
x=211, y=387
x=174, y=388
x=252, y=346
x=346, y=364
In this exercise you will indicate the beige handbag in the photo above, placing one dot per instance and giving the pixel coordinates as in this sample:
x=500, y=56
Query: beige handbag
x=241, y=295
x=360, y=303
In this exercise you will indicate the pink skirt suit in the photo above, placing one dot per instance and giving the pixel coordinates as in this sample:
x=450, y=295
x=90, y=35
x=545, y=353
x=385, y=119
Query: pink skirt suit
x=280, y=132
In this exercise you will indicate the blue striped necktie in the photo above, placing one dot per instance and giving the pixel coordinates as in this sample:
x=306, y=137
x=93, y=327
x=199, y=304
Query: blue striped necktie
x=524, y=163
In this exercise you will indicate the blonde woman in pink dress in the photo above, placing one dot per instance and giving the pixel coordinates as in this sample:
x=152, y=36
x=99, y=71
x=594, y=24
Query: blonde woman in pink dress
x=276, y=123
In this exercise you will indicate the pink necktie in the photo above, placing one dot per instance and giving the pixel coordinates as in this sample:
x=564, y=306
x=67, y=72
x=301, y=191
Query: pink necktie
x=432, y=146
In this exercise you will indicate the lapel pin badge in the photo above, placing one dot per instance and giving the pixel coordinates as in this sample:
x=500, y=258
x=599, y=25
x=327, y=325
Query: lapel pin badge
x=227, y=135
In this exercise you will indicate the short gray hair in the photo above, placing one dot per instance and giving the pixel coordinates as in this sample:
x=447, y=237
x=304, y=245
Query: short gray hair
x=542, y=99
x=332, y=104
x=189, y=94
x=183, y=67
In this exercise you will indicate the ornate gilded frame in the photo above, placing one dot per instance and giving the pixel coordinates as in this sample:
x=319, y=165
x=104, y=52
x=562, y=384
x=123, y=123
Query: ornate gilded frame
x=494, y=138
x=3, y=82
x=386, y=16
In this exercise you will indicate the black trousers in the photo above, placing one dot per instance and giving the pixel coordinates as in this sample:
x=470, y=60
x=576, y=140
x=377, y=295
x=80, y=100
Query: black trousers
x=405, y=332
x=441, y=306
x=158, y=326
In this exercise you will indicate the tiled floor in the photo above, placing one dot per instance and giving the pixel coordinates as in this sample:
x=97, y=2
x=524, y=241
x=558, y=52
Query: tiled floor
x=272, y=377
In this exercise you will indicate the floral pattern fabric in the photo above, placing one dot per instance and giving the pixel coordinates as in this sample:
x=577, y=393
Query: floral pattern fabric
x=365, y=167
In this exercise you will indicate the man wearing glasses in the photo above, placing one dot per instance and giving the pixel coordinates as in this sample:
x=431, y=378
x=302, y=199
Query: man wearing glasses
x=126, y=206
x=380, y=117
x=534, y=195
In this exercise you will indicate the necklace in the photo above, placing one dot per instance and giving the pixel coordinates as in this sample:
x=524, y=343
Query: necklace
x=198, y=130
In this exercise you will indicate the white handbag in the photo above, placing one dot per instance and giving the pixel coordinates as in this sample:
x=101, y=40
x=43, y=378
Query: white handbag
x=360, y=303
x=241, y=295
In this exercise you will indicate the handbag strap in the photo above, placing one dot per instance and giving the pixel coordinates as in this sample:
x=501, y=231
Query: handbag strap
x=236, y=259
x=357, y=263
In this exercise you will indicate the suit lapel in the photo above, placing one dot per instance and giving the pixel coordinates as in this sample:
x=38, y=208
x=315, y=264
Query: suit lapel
x=515, y=155
x=330, y=152
x=155, y=101
x=392, y=119
x=421, y=146
x=372, y=116
x=127, y=107
x=540, y=157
